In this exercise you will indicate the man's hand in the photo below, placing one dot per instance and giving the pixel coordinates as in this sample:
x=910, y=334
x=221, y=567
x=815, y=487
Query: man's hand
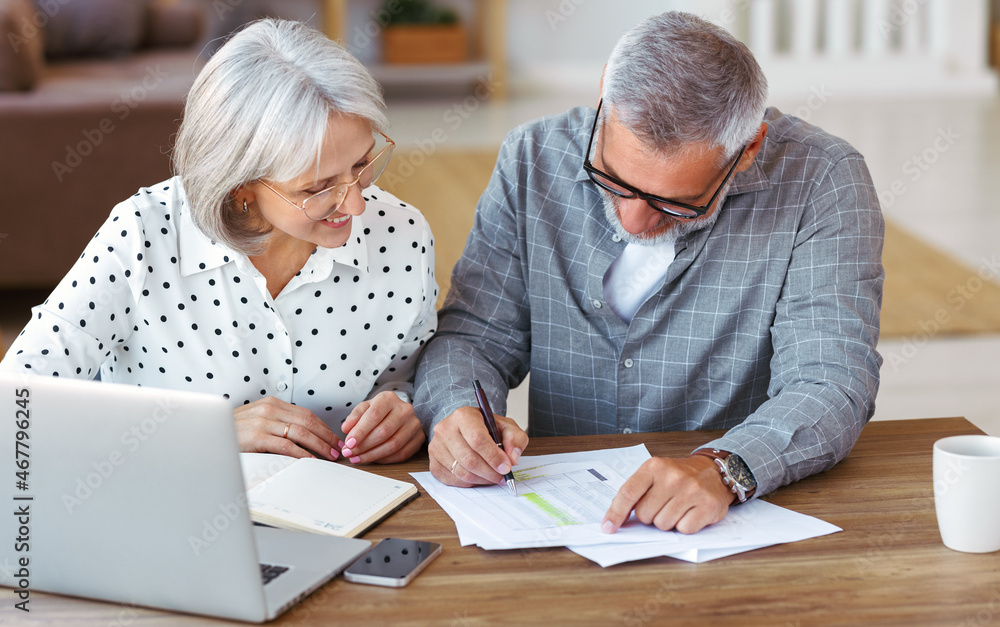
x=463, y=453
x=684, y=494
x=271, y=425
x=383, y=430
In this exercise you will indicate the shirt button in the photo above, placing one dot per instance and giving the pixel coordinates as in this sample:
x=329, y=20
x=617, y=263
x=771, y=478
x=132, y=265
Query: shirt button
x=626, y=430
x=616, y=238
x=597, y=304
x=629, y=363
x=282, y=386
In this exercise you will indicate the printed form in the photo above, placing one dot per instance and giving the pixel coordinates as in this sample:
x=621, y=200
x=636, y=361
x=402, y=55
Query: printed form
x=563, y=499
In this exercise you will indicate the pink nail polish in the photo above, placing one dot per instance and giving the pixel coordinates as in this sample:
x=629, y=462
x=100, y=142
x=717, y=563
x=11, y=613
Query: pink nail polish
x=340, y=443
x=334, y=454
x=351, y=443
x=348, y=453
x=355, y=459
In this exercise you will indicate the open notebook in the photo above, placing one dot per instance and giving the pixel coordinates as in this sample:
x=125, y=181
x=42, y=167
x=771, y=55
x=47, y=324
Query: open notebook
x=319, y=496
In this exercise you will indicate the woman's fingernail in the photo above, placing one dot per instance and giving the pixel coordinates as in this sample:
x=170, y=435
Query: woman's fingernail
x=351, y=443
x=355, y=459
x=341, y=444
x=347, y=452
x=607, y=527
x=334, y=454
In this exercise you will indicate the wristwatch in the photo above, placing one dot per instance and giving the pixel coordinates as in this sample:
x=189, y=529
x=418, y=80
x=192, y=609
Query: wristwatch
x=735, y=472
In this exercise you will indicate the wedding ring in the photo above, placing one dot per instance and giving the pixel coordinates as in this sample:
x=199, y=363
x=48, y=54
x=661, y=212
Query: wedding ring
x=287, y=426
x=453, y=464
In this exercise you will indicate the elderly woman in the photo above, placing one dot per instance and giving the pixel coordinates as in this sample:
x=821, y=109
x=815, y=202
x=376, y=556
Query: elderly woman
x=269, y=270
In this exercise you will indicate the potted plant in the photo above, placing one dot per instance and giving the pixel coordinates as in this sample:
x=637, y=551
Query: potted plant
x=419, y=32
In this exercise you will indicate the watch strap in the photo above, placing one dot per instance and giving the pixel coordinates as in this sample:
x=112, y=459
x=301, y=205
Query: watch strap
x=743, y=493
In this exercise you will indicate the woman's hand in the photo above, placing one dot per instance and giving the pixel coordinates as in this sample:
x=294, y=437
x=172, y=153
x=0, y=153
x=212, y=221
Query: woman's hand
x=271, y=425
x=383, y=430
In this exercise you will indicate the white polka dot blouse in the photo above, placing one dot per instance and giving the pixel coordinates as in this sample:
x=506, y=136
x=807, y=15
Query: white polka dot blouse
x=153, y=301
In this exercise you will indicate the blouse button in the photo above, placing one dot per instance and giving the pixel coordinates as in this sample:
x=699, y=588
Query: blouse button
x=282, y=386
x=597, y=304
x=629, y=363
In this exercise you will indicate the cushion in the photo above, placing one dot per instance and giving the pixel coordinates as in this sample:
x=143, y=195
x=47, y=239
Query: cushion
x=21, y=44
x=173, y=25
x=79, y=28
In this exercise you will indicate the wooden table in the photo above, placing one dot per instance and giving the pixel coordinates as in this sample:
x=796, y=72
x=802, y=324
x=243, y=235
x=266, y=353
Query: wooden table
x=888, y=566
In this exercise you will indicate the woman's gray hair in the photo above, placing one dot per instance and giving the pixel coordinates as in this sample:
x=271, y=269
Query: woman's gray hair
x=260, y=108
x=676, y=80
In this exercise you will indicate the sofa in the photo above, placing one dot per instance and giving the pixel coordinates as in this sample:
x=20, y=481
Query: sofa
x=91, y=95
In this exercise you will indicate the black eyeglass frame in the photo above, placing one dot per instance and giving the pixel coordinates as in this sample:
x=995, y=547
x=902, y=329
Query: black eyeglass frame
x=650, y=199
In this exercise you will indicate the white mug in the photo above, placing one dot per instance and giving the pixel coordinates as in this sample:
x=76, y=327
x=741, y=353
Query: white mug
x=967, y=492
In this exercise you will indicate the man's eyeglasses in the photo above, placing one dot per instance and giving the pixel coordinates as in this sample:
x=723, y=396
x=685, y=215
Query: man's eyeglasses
x=323, y=204
x=663, y=205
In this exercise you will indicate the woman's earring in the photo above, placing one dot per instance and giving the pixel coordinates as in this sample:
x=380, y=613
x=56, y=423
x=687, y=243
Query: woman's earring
x=244, y=206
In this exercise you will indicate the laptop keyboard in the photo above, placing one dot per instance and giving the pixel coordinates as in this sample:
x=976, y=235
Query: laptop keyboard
x=270, y=572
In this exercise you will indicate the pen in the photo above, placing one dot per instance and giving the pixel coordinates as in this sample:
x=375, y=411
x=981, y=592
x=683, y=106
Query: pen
x=491, y=424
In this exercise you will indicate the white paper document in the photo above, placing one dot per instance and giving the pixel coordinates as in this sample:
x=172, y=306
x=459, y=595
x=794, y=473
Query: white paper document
x=562, y=500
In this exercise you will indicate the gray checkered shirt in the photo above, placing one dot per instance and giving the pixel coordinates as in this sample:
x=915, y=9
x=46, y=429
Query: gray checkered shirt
x=765, y=325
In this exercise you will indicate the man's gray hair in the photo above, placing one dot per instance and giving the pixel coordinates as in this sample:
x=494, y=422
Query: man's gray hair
x=676, y=80
x=260, y=109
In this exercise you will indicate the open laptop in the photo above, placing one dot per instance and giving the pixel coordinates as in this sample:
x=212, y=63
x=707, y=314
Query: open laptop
x=136, y=495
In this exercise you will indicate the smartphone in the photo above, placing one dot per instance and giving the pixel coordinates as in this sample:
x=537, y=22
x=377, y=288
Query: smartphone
x=392, y=562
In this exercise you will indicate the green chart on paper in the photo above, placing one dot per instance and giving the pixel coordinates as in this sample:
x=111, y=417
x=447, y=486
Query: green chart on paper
x=557, y=495
x=561, y=517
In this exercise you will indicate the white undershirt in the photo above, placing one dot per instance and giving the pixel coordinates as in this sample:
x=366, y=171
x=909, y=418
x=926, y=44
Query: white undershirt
x=635, y=275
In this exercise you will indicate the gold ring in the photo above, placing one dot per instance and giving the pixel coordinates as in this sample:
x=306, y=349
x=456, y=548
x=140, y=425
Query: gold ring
x=453, y=464
x=287, y=426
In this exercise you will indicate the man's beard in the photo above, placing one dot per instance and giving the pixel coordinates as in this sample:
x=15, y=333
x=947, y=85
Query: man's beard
x=678, y=228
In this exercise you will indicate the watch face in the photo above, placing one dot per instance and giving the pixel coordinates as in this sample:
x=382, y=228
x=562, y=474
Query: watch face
x=740, y=472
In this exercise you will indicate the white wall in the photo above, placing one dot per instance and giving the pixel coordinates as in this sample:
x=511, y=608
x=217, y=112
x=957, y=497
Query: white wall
x=562, y=45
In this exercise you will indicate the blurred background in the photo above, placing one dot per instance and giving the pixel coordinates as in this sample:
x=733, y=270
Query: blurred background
x=91, y=92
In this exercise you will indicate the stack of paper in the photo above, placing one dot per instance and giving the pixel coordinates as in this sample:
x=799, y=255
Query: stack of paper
x=562, y=501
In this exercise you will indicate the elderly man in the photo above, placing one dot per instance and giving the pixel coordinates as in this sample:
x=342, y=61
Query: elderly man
x=681, y=258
